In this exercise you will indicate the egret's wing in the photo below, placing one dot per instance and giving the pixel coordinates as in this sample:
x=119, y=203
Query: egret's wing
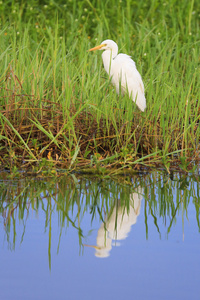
x=124, y=72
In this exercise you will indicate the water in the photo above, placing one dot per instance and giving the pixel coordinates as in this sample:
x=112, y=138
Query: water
x=88, y=238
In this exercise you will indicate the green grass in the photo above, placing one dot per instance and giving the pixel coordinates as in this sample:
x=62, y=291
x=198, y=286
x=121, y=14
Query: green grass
x=58, y=108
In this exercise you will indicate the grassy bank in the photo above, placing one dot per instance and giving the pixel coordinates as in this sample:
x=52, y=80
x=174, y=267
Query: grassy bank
x=58, y=108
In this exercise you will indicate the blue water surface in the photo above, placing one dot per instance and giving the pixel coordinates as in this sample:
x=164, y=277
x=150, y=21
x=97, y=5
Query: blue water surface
x=149, y=263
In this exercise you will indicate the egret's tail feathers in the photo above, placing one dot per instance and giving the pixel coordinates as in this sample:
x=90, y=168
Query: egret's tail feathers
x=140, y=101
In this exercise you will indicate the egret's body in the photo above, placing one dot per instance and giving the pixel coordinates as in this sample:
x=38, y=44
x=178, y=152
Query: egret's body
x=122, y=70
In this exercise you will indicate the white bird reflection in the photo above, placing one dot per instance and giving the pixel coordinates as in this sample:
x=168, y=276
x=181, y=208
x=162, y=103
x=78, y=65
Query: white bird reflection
x=118, y=225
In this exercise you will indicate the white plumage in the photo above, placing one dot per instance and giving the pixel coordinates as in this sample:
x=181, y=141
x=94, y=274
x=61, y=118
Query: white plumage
x=122, y=70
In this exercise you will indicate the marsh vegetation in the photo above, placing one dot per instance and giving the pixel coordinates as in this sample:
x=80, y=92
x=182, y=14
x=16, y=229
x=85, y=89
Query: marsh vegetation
x=58, y=109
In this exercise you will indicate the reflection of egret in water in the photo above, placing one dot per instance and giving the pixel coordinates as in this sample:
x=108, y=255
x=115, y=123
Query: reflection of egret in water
x=118, y=224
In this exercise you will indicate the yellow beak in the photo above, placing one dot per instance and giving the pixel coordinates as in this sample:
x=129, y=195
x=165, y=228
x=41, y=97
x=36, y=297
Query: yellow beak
x=97, y=47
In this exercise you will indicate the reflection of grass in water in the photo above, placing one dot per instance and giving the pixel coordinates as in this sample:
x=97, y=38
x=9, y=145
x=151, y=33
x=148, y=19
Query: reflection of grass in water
x=72, y=199
x=57, y=105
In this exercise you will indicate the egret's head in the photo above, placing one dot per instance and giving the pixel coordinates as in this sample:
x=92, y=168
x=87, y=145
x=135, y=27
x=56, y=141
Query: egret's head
x=105, y=45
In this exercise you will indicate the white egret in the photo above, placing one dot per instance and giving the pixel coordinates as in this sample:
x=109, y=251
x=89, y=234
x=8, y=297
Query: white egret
x=122, y=70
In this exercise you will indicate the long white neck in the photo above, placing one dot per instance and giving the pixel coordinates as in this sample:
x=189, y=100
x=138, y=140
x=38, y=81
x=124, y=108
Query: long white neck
x=107, y=57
